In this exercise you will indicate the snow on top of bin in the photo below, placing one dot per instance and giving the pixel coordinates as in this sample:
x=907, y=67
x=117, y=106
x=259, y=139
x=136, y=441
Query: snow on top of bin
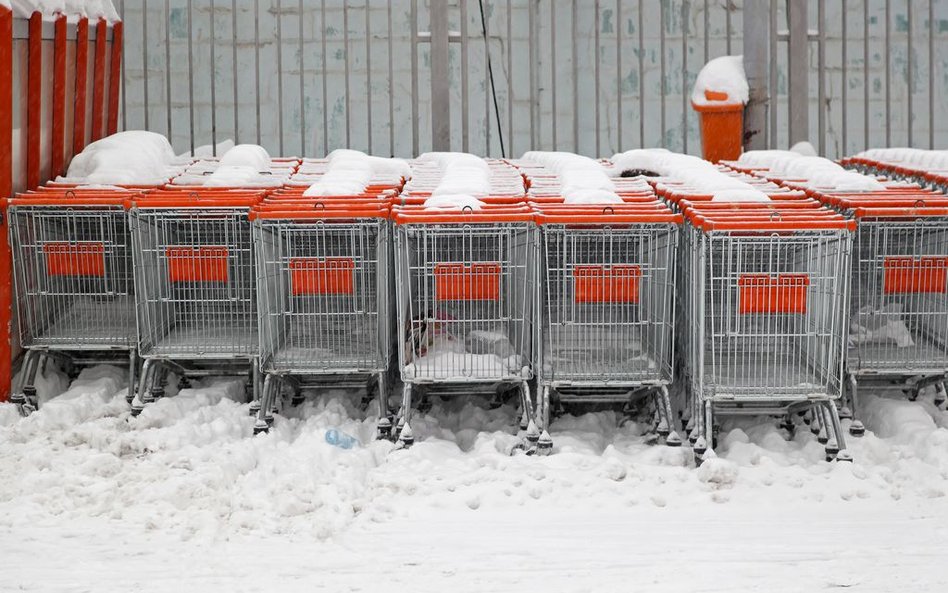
x=73, y=9
x=721, y=75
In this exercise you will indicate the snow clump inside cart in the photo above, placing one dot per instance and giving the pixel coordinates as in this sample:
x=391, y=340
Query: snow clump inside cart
x=126, y=158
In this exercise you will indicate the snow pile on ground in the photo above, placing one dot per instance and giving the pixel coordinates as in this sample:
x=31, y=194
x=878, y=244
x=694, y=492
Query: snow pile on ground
x=185, y=480
x=73, y=9
x=125, y=158
x=350, y=172
x=813, y=171
x=723, y=75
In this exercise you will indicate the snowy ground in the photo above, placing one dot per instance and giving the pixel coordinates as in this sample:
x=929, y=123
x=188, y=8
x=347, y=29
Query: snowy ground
x=91, y=500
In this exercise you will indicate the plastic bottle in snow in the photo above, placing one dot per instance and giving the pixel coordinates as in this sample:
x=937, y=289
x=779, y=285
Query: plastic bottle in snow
x=337, y=438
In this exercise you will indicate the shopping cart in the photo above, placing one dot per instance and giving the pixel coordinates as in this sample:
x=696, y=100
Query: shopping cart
x=195, y=286
x=898, y=314
x=324, y=290
x=73, y=281
x=763, y=295
x=607, y=307
x=465, y=283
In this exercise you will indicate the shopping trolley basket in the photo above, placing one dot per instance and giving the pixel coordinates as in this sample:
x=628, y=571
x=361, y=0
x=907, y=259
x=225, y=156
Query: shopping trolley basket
x=606, y=317
x=195, y=285
x=73, y=280
x=465, y=294
x=763, y=333
x=898, y=314
x=324, y=292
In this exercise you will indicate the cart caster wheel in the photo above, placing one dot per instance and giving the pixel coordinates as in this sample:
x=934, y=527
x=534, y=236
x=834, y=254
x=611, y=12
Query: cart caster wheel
x=184, y=383
x=297, y=401
x=254, y=408
x=822, y=438
x=544, y=444
x=673, y=440
x=857, y=429
x=268, y=419
x=18, y=399
x=406, y=437
x=845, y=413
x=832, y=451
x=261, y=428
x=383, y=429
x=130, y=398
x=137, y=410
x=693, y=436
x=844, y=455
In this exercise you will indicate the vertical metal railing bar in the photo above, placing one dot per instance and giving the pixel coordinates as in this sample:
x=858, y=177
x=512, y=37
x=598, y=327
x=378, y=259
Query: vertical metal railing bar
x=191, y=74
x=322, y=38
x=414, y=76
x=124, y=120
x=845, y=83
x=167, y=25
x=534, y=83
x=510, y=77
x=821, y=74
x=888, y=82
x=596, y=60
x=772, y=98
x=641, y=74
x=865, y=75
x=145, y=60
x=368, y=74
x=488, y=86
x=301, y=48
x=727, y=23
x=707, y=31
x=465, y=98
x=618, y=25
x=213, y=77
x=684, y=75
x=908, y=71
x=278, y=44
x=574, y=47
x=345, y=45
x=235, y=69
x=256, y=64
x=931, y=74
x=661, y=68
x=553, y=63
x=391, y=85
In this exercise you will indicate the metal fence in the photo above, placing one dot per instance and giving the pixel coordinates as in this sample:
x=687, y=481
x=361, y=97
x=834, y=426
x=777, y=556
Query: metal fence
x=499, y=77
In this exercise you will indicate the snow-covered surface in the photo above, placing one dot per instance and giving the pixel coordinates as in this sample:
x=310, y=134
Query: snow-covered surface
x=911, y=157
x=125, y=158
x=349, y=172
x=582, y=180
x=73, y=9
x=91, y=499
x=459, y=173
x=722, y=75
x=453, y=202
x=812, y=171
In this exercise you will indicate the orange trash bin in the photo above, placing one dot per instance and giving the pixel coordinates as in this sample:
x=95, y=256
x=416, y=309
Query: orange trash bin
x=722, y=127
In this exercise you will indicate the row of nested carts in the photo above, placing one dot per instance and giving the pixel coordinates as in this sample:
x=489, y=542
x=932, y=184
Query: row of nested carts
x=774, y=295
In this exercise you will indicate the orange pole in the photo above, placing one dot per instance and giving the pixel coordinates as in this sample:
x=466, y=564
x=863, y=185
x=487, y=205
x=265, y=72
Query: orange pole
x=98, y=80
x=82, y=75
x=59, y=98
x=34, y=100
x=115, y=76
x=6, y=190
